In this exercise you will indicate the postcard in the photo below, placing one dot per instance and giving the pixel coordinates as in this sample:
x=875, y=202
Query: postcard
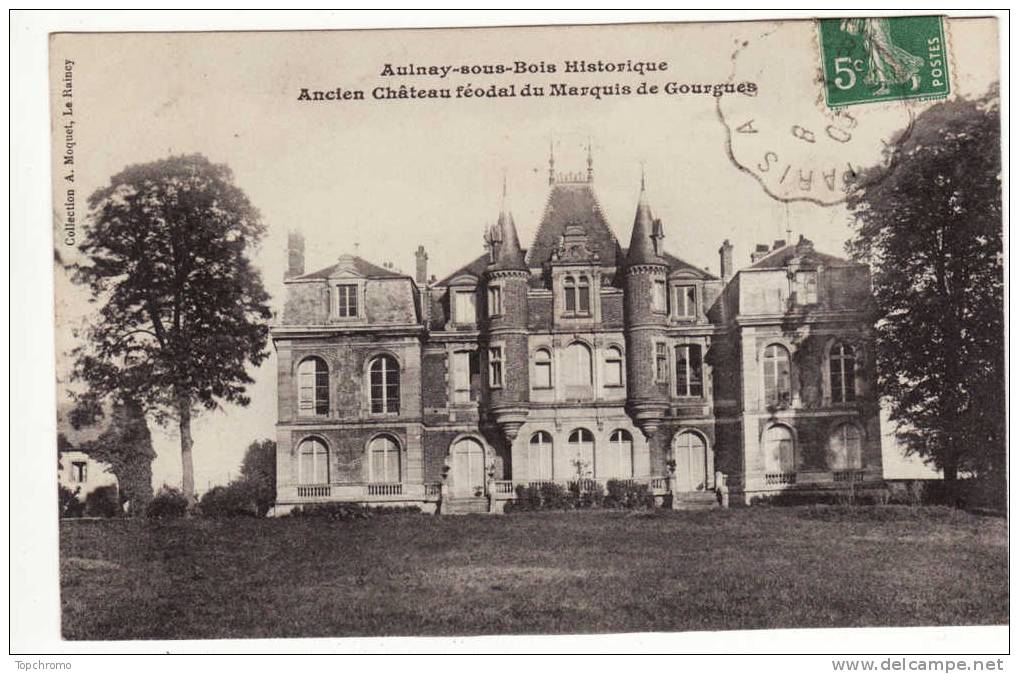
x=664, y=327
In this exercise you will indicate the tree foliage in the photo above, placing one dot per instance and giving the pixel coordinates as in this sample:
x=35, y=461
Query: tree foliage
x=183, y=312
x=258, y=470
x=931, y=229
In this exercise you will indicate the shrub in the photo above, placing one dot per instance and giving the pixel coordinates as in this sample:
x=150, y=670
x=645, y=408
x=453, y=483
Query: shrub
x=554, y=497
x=168, y=503
x=68, y=504
x=237, y=499
x=987, y=493
x=395, y=510
x=628, y=494
x=528, y=499
x=103, y=502
x=589, y=494
x=350, y=511
x=333, y=511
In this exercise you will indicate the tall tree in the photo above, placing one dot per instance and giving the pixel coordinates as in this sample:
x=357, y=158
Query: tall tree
x=258, y=470
x=183, y=313
x=932, y=232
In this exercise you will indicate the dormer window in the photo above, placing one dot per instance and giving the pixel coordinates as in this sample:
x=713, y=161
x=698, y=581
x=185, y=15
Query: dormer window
x=686, y=302
x=464, y=307
x=806, y=287
x=346, y=300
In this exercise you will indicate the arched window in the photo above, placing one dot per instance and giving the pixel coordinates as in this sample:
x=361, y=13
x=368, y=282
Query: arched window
x=842, y=369
x=577, y=365
x=313, y=387
x=583, y=295
x=616, y=460
x=613, y=366
x=578, y=460
x=312, y=462
x=539, y=456
x=385, y=385
x=570, y=290
x=845, y=447
x=542, y=369
x=777, y=376
x=384, y=462
x=779, y=450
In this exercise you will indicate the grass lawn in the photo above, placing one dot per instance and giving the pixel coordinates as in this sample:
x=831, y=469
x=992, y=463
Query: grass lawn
x=574, y=572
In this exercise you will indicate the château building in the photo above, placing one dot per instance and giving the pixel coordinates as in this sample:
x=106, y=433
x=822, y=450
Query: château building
x=575, y=359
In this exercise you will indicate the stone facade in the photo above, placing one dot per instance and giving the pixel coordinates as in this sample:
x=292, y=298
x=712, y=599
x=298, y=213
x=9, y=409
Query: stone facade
x=575, y=360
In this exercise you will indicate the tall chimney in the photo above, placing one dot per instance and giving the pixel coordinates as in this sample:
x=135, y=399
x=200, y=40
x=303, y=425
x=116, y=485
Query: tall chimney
x=422, y=266
x=725, y=260
x=295, y=254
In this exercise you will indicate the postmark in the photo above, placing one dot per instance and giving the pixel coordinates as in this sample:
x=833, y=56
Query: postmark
x=868, y=60
x=785, y=135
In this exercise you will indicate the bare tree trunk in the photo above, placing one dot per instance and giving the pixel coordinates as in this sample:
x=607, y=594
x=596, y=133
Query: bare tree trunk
x=186, y=443
x=950, y=474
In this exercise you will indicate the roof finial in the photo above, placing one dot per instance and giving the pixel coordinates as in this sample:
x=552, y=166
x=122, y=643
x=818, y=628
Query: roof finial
x=551, y=162
x=590, y=162
x=504, y=188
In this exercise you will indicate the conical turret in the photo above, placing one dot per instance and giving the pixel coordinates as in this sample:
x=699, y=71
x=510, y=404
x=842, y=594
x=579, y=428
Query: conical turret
x=506, y=278
x=507, y=251
x=646, y=319
x=646, y=239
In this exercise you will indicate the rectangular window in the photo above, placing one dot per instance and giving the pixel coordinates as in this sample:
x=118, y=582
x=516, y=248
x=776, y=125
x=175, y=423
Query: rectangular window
x=689, y=371
x=346, y=301
x=79, y=471
x=494, y=301
x=686, y=301
x=661, y=362
x=463, y=310
x=495, y=366
x=658, y=297
x=571, y=299
x=461, y=376
x=583, y=297
x=806, y=287
x=543, y=370
x=613, y=371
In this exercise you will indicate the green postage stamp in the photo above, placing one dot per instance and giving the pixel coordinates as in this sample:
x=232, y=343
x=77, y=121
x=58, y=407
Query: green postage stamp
x=881, y=59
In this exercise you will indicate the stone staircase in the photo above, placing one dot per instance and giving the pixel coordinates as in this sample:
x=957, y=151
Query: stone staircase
x=464, y=506
x=694, y=500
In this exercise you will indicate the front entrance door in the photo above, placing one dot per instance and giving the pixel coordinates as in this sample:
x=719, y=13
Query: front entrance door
x=468, y=471
x=694, y=469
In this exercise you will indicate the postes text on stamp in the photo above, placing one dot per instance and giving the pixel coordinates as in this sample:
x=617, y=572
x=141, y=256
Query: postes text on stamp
x=880, y=59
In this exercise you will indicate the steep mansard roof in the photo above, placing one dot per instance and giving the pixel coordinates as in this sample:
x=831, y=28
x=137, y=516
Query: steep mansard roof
x=573, y=204
x=475, y=267
x=803, y=249
x=576, y=203
x=356, y=264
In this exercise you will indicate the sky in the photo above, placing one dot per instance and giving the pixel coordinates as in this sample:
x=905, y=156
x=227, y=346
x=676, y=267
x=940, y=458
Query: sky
x=378, y=178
